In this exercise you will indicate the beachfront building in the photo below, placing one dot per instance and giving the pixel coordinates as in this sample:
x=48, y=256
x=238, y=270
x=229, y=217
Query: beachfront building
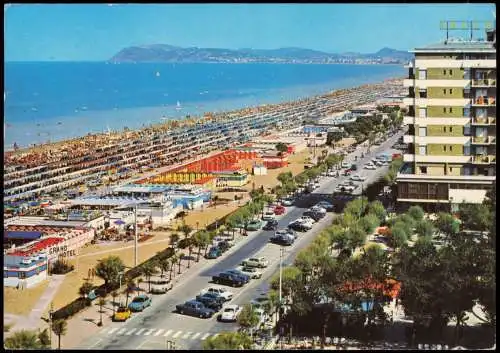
x=451, y=141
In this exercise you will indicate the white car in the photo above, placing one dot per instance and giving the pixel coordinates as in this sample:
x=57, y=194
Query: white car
x=318, y=209
x=269, y=216
x=252, y=272
x=357, y=177
x=370, y=167
x=260, y=262
x=307, y=219
x=230, y=313
x=287, y=202
x=286, y=233
x=224, y=293
x=346, y=165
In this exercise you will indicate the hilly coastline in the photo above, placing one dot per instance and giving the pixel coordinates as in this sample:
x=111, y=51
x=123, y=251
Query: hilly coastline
x=173, y=54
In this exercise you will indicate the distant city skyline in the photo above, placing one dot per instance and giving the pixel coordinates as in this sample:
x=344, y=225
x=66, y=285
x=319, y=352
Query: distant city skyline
x=95, y=32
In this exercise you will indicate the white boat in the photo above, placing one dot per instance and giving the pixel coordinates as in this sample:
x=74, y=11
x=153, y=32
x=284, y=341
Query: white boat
x=178, y=107
x=157, y=74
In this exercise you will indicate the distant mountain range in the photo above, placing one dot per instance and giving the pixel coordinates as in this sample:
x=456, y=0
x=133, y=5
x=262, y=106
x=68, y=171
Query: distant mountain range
x=173, y=54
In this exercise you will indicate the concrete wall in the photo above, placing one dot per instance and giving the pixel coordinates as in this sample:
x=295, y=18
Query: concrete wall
x=444, y=111
x=440, y=150
x=444, y=130
x=29, y=282
x=445, y=92
x=445, y=74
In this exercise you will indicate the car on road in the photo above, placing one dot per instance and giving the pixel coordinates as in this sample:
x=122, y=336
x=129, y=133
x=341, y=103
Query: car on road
x=286, y=232
x=370, y=167
x=253, y=272
x=254, y=224
x=346, y=164
x=245, y=277
x=279, y=210
x=357, y=177
x=195, y=308
x=326, y=205
x=224, y=245
x=214, y=253
x=299, y=226
x=211, y=301
x=259, y=262
x=140, y=302
x=230, y=313
x=287, y=202
x=318, y=209
x=333, y=174
x=282, y=240
x=314, y=215
x=228, y=279
x=269, y=216
x=271, y=225
x=222, y=292
x=354, y=167
x=306, y=219
x=347, y=172
x=122, y=314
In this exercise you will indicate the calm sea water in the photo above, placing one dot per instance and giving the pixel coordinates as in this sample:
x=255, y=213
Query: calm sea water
x=52, y=101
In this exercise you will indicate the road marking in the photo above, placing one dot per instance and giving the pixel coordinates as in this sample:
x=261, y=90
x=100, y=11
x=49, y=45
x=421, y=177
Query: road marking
x=104, y=330
x=122, y=331
x=140, y=331
x=217, y=334
x=149, y=332
x=113, y=330
x=168, y=333
x=130, y=332
x=186, y=335
x=158, y=332
x=195, y=335
x=95, y=344
x=177, y=334
x=205, y=336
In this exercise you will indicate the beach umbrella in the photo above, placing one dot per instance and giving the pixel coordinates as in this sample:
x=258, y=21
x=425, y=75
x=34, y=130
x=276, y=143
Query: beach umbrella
x=119, y=222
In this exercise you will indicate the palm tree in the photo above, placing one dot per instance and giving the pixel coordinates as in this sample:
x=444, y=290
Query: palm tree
x=109, y=269
x=174, y=238
x=101, y=303
x=181, y=255
x=173, y=261
x=59, y=327
x=114, y=294
x=23, y=339
x=148, y=269
x=129, y=289
x=185, y=229
x=85, y=289
x=164, y=266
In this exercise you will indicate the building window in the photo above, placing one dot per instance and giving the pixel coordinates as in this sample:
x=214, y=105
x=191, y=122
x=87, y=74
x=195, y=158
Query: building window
x=450, y=129
x=444, y=91
x=444, y=148
x=422, y=131
x=444, y=128
x=451, y=72
x=444, y=72
x=451, y=169
x=467, y=112
x=467, y=130
x=422, y=150
x=450, y=148
x=451, y=90
x=466, y=150
x=423, y=170
x=450, y=110
x=422, y=112
x=444, y=109
x=422, y=74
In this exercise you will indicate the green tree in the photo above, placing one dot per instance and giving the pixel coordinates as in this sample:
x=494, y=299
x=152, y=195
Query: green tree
x=164, y=265
x=174, y=239
x=109, y=268
x=425, y=228
x=148, y=269
x=447, y=224
x=59, y=327
x=228, y=341
x=44, y=338
x=283, y=178
x=129, y=289
x=377, y=208
x=281, y=147
x=248, y=318
x=231, y=224
x=85, y=289
x=357, y=207
x=181, y=256
x=173, y=261
x=101, y=303
x=300, y=179
x=114, y=294
x=203, y=240
x=369, y=222
x=23, y=339
x=416, y=212
x=475, y=216
x=185, y=229
x=398, y=237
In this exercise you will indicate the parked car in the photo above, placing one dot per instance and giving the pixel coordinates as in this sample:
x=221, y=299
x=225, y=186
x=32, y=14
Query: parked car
x=370, y=167
x=271, y=225
x=228, y=279
x=122, y=314
x=357, y=177
x=326, y=205
x=279, y=210
x=211, y=300
x=224, y=245
x=287, y=202
x=140, y=302
x=347, y=172
x=230, y=313
x=346, y=164
x=317, y=208
x=286, y=233
x=281, y=240
x=160, y=287
x=268, y=216
x=354, y=167
x=316, y=216
x=222, y=292
x=195, y=308
x=299, y=226
x=253, y=272
x=214, y=253
x=307, y=220
x=245, y=277
x=254, y=224
x=260, y=262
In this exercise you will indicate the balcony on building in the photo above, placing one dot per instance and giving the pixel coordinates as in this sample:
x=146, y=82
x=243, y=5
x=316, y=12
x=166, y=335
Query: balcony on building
x=483, y=121
x=485, y=82
x=484, y=101
x=484, y=159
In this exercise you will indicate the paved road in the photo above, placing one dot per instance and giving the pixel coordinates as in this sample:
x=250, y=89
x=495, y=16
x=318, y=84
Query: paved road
x=159, y=323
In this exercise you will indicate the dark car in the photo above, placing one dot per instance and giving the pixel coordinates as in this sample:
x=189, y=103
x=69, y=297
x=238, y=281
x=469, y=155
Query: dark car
x=298, y=226
x=224, y=245
x=228, y=279
x=210, y=301
x=271, y=225
x=194, y=308
x=245, y=277
x=326, y=205
x=314, y=215
x=354, y=167
x=214, y=252
x=281, y=240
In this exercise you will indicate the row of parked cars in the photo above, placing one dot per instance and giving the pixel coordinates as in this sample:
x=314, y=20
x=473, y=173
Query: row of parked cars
x=212, y=299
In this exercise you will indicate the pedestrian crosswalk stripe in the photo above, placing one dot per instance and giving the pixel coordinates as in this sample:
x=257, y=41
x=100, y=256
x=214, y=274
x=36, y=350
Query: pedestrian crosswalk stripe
x=168, y=333
x=140, y=331
x=186, y=335
x=205, y=336
x=195, y=335
x=112, y=330
x=215, y=335
x=130, y=332
x=149, y=332
x=177, y=334
x=158, y=332
x=122, y=331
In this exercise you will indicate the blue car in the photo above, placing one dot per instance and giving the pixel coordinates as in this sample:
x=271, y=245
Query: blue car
x=140, y=303
x=240, y=274
x=214, y=253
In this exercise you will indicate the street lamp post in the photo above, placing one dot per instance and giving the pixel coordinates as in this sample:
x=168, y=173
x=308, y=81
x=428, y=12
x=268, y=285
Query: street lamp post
x=120, y=275
x=281, y=280
x=136, y=252
x=51, y=312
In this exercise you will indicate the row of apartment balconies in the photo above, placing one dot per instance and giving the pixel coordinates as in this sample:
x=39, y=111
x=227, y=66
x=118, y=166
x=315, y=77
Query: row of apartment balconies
x=474, y=159
x=459, y=83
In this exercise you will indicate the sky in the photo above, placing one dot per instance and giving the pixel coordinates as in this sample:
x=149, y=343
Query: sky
x=96, y=32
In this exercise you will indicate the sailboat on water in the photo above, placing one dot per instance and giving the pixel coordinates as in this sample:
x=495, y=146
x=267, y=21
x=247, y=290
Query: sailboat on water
x=178, y=107
x=157, y=74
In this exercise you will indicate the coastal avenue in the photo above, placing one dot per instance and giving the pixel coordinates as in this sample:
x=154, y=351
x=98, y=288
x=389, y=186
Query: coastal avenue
x=152, y=328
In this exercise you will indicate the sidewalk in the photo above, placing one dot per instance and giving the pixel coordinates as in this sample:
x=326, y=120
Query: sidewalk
x=32, y=322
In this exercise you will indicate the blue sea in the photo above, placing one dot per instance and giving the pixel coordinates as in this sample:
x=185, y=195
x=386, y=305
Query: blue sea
x=51, y=101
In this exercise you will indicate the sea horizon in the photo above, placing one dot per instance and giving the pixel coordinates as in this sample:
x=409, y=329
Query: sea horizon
x=71, y=99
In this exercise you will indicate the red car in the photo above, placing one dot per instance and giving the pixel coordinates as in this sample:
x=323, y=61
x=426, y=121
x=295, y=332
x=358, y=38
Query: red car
x=279, y=210
x=348, y=172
